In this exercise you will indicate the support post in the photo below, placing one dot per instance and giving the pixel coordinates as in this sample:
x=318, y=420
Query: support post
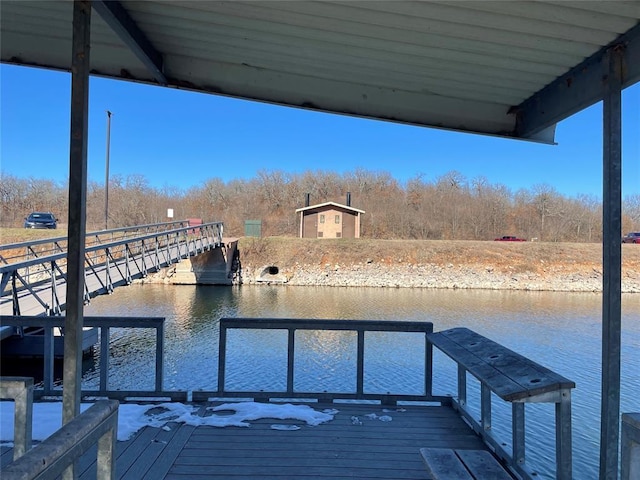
x=291, y=357
x=106, y=173
x=72, y=370
x=485, y=407
x=462, y=386
x=611, y=260
x=564, y=453
x=518, y=432
x=360, y=364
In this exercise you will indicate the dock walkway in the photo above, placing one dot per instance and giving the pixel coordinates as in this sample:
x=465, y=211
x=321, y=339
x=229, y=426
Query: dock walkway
x=353, y=445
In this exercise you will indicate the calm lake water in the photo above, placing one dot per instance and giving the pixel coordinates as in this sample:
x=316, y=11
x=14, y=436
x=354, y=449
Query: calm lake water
x=559, y=330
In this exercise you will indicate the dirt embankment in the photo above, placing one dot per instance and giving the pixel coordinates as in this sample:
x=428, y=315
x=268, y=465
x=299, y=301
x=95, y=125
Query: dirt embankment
x=433, y=264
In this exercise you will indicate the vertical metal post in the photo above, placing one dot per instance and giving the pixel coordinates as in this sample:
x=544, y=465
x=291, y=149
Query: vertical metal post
x=360, y=364
x=127, y=266
x=160, y=357
x=222, y=356
x=48, y=359
x=611, y=260
x=428, y=365
x=107, y=271
x=462, y=386
x=72, y=370
x=517, y=426
x=104, y=358
x=485, y=407
x=14, y=295
x=291, y=354
x=55, y=304
x=564, y=456
x=106, y=174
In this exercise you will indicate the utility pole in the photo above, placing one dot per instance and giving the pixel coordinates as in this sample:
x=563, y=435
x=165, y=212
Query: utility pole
x=106, y=176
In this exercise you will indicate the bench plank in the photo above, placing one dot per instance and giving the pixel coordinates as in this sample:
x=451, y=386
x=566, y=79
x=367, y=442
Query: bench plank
x=483, y=465
x=442, y=463
x=510, y=375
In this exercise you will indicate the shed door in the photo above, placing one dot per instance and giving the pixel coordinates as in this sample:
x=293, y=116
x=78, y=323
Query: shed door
x=310, y=229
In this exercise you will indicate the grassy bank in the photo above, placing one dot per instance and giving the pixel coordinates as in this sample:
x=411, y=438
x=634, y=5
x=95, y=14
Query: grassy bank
x=535, y=257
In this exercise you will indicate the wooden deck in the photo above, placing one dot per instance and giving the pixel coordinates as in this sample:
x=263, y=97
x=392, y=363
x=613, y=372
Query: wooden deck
x=338, y=449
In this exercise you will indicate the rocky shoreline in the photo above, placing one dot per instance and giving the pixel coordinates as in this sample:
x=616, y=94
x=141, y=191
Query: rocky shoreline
x=449, y=276
x=530, y=266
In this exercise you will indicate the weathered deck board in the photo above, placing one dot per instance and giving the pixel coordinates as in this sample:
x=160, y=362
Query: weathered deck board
x=334, y=450
x=6, y=456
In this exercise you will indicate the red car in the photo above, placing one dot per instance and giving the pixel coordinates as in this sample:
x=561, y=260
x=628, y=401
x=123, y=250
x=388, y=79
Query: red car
x=633, y=237
x=509, y=238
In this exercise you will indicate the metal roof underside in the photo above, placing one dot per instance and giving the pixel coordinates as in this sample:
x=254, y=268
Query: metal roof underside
x=510, y=69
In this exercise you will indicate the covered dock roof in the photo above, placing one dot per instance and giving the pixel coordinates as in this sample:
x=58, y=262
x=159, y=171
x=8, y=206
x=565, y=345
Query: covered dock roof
x=509, y=69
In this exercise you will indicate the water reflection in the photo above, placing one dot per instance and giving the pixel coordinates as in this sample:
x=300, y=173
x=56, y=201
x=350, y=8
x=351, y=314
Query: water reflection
x=559, y=330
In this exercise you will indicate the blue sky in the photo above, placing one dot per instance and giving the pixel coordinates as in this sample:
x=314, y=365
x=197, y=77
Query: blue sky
x=180, y=139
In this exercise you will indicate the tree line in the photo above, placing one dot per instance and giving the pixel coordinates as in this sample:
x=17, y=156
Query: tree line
x=449, y=207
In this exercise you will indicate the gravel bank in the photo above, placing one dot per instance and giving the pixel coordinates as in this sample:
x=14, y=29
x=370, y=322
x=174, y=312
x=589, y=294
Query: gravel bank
x=533, y=266
x=436, y=276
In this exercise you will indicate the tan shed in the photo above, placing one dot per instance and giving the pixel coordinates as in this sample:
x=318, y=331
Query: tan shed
x=329, y=220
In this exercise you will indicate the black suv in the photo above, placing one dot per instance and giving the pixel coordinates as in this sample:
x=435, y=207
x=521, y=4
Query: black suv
x=41, y=220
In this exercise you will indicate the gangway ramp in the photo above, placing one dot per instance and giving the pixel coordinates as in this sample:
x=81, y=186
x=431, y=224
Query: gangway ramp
x=34, y=283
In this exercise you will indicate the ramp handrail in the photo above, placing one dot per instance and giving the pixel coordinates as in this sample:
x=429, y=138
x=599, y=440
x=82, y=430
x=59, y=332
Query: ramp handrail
x=91, y=238
x=55, y=455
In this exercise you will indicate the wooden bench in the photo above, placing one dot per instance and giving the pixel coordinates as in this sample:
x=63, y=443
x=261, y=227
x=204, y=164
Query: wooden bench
x=448, y=464
x=515, y=379
x=508, y=374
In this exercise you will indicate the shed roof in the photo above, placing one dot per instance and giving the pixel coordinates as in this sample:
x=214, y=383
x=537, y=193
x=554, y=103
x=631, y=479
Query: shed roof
x=510, y=69
x=330, y=204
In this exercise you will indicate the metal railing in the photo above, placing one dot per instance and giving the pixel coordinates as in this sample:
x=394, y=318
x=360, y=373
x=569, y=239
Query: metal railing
x=105, y=324
x=56, y=455
x=291, y=326
x=41, y=281
x=561, y=397
x=20, y=390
